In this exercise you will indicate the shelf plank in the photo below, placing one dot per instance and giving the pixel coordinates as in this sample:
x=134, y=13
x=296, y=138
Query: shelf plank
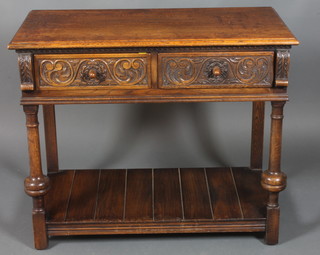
x=84, y=192
x=167, y=196
x=252, y=196
x=195, y=194
x=56, y=201
x=223, y=194
x=111, y=193
x=155, y=201
x=139, y=195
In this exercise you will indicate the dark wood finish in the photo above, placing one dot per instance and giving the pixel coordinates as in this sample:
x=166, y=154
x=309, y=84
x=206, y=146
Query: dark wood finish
x=208, y=69
x=38, y=218
x=223, y=194
x=154, y=56
x=49, y=120
x=257, y=135
x=273, y=220
x=57, y=200
x=253, y=203
x=111, y=196
x=84, y=192
x=138, y=199
x=167, y=195
x=149, y=28
x=99, y=228
x=167, y=208
x=195, y=195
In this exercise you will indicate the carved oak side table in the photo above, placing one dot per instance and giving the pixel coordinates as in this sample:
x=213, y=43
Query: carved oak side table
x=154, y=56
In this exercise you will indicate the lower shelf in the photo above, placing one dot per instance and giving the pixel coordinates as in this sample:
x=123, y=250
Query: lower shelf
x=137, y=201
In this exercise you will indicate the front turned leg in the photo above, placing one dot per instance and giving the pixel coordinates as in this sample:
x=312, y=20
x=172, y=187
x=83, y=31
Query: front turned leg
x=273, y=180
x=36, y=184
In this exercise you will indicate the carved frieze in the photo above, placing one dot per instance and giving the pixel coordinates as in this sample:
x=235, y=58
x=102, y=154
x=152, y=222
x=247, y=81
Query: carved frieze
x=87, y=72
x=282, y=67
x=217, y=70
x=154, y=49
x=25, y=61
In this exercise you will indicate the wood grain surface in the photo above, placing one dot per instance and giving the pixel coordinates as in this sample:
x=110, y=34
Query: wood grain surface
x=139, y=195
x=110, y=199
x=223, y=194
x=167, y=195
x=84, y=192
x=155, y=195
x=151, y=28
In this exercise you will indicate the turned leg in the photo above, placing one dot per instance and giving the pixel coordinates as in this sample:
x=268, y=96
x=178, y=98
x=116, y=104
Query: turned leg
x=51, y=138
x=36, y=184
x=257, y=135
x=273, y=180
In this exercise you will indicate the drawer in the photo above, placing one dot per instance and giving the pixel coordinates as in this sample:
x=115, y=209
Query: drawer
x=215, y=69
x=87, y=71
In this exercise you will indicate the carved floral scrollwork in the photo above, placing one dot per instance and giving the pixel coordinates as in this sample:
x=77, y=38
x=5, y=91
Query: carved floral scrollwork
x=129, y=71
x=57, y=72
x=93, y=72
x=251, y=70
x=220, y=70
x=180, y=71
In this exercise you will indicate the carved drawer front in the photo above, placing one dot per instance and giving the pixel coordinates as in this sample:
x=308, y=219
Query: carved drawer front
x=216, y=69
x=80, y=71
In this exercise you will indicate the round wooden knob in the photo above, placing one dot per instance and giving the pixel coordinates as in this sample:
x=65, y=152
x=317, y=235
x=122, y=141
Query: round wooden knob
x=92, y=73
x=216, y=71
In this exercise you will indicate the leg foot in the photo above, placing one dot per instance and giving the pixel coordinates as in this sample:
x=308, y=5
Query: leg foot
x=39, y=226
x=272, y=228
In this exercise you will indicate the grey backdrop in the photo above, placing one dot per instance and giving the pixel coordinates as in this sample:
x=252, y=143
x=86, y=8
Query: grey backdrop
x=168, y=135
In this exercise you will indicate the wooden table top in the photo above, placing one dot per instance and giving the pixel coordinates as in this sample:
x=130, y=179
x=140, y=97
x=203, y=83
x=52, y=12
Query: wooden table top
x=43, y=29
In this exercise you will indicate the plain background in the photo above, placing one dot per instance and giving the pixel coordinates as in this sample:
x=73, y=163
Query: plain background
x=168, y=135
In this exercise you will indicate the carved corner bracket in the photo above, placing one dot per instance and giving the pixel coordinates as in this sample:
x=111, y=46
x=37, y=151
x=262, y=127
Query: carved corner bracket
x=282, y=68
x=25, y=61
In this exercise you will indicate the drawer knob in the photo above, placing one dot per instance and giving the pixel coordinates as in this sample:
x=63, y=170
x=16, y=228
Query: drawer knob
x=92, y=73
x=216, y=71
